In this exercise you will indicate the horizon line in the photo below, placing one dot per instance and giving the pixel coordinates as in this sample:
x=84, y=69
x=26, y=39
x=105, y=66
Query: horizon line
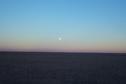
x=59, y=52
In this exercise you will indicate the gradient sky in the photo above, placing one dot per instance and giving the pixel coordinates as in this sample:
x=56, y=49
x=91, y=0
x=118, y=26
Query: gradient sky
x=83, y=25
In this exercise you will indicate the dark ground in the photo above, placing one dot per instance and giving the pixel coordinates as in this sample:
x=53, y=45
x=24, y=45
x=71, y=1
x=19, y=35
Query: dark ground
x=62, y=68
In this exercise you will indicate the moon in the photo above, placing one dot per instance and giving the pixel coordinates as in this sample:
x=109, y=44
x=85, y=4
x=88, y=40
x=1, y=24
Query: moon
x=59, y=38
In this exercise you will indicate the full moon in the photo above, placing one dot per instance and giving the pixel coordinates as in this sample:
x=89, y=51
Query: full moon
x=59, y=38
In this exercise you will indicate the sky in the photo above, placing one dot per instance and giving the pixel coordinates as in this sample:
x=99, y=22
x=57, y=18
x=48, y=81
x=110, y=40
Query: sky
x=63, y=25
